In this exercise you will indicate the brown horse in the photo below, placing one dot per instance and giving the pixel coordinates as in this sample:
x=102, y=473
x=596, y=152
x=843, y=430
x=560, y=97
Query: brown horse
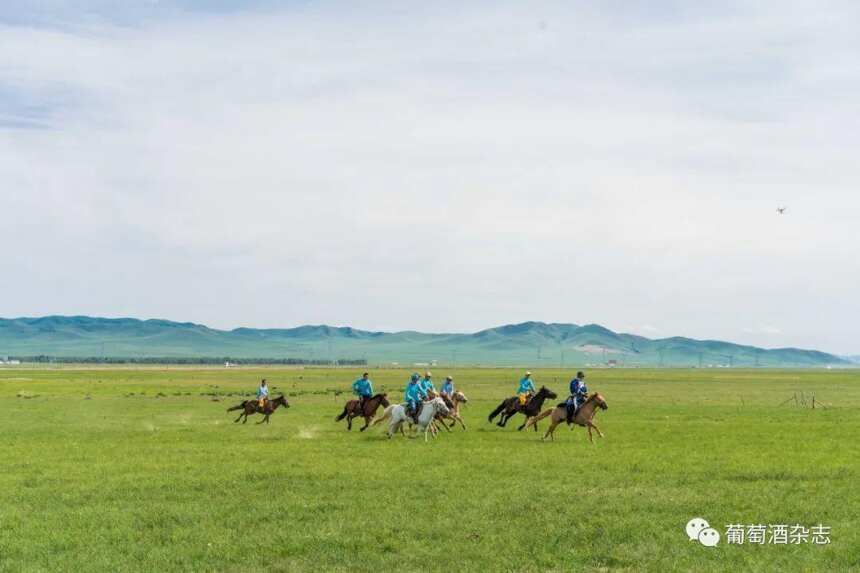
x=351, y=410
x=584, y=416
x=511, y=406
x=250, y=407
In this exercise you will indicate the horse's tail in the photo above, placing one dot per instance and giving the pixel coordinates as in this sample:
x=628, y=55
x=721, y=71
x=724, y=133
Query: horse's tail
x=239, y=407
x=385, y=415
x=342, y=415
x=495, y=412
x=541, y=416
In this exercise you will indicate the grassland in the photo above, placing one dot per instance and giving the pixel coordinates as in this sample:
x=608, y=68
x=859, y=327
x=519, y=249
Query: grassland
x=143, y=470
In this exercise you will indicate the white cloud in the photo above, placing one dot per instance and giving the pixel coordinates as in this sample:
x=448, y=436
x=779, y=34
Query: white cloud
x=443, y=170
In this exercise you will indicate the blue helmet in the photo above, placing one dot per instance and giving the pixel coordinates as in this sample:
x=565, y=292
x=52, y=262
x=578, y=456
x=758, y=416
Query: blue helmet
x=415, y=377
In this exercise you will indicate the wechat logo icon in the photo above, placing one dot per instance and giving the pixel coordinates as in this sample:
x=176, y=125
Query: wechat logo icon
x=700, y=530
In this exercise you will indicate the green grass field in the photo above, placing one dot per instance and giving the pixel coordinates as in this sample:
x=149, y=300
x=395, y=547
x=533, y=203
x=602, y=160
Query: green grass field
x=143, y=470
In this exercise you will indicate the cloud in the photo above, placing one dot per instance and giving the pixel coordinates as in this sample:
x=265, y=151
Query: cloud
x=437, y=168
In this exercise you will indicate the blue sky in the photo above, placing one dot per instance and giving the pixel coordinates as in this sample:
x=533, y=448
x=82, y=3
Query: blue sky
x=436, y=166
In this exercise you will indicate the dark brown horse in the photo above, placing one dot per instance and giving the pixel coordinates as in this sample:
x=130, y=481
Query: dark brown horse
x=351, y=410
x=250, y=407
x=511, y=406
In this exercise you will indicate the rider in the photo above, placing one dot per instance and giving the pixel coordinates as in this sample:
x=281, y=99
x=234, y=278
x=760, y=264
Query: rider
x=427, y=384
x=262, y=394
x=363, y=388
x=447, y=388
x=413, y=395
x=526, y=389
x=578, y=394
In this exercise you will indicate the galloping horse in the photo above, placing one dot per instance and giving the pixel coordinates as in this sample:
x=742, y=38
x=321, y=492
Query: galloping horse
x=351, y=410
x=453, y=404
x=583, y=417
x=512, y=405
x=250, y=407
x=428, y=413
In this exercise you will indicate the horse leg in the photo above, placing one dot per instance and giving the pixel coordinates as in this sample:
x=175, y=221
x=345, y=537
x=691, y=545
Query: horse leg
x=366, y=423
x=460, y=419
x=239, y=418
x=386, y=414
x=590, y=439
x=550, y=431
x=349, y=421
x=596, y=429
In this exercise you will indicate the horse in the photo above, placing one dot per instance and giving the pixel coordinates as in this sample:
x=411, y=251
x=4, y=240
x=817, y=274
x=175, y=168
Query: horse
x=428, y=413
x=510, y=406
x=583, y=417
x=351, y=410
x=434, y=426
x=453, y=404
x=250, y=407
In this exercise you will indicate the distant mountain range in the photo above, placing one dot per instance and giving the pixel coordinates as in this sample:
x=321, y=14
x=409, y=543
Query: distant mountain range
x=529, y=343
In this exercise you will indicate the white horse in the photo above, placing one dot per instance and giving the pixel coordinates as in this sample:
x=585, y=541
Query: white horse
x=428, y=413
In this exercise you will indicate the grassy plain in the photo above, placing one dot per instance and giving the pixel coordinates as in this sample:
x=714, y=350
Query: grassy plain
x=143, y=470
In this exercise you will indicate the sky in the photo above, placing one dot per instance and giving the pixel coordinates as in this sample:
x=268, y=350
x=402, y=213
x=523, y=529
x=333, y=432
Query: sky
x=436, y=166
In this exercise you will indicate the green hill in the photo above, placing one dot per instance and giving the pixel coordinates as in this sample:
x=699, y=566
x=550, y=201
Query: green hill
x=528, y=343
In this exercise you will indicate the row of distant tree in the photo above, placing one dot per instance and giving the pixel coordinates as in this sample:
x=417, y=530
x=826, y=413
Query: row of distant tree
x=45, y=359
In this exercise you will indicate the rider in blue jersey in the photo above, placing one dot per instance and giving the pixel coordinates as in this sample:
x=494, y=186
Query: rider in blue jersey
x=262, y=394
x=414, y=395
x=363, y=388
x=578, y=394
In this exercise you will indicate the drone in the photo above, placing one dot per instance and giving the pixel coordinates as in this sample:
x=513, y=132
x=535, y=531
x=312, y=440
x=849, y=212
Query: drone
x=781, y=210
